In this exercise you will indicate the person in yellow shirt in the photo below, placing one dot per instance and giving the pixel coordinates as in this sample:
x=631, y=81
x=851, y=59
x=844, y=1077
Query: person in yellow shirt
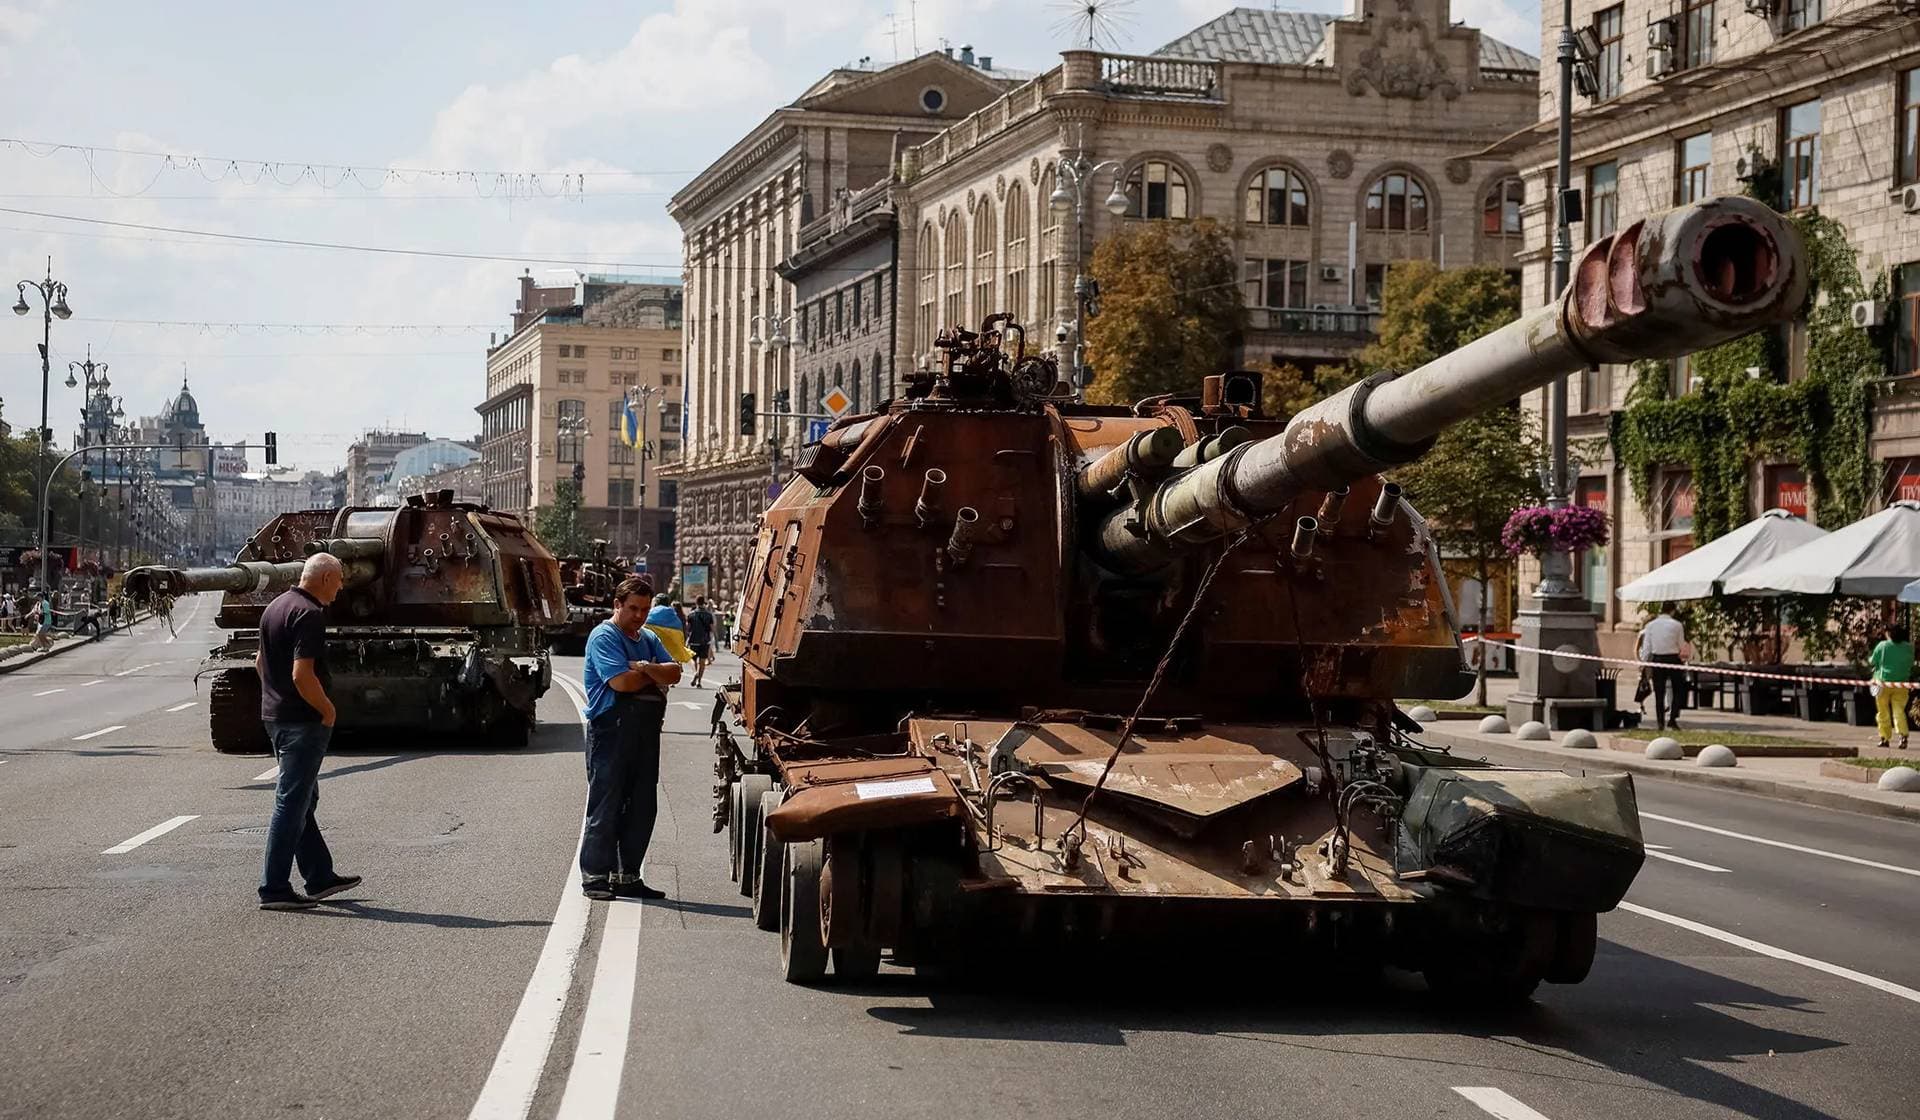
x=1892, y=662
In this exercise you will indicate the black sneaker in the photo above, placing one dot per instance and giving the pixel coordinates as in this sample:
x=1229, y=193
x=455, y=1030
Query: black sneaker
x=597, y=889
x=339, y=884
x=637, y=889
x=292, y=900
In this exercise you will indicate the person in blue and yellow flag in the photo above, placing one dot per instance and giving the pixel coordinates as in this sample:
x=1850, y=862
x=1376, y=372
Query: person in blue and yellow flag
x=665, y=624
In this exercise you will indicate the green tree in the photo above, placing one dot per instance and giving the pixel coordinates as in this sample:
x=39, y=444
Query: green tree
x=559, y=525
x=1170, y=310
x=1287, y=388
x=1482, y=469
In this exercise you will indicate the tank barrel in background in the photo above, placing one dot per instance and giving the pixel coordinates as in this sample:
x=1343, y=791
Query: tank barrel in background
x=247, y=577
x=351, y=548
x=1669, y=285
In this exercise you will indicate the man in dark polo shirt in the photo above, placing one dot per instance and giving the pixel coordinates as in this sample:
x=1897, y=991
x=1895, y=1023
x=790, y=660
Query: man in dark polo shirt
x=299, y=718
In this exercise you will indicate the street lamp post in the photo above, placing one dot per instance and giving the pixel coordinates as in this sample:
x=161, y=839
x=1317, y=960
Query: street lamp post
x=93, y=396
x=636, y=399
x=778, y=341
x=53, y=305
x=1073, y=176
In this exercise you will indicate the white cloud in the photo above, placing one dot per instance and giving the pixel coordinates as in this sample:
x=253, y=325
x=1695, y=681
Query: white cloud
x=21, y=21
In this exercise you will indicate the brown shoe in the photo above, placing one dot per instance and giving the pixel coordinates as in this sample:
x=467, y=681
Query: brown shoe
x=1903, y=742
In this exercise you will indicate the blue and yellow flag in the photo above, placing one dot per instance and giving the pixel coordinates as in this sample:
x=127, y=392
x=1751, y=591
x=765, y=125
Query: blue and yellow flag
x=630, y=425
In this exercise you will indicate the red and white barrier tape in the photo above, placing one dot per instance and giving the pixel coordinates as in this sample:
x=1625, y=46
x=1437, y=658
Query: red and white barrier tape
x=1691, y=666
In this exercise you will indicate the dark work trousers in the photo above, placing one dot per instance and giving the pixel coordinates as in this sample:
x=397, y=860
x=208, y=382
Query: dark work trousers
x=293, y=835
x=1669, y=688
x=623, y=779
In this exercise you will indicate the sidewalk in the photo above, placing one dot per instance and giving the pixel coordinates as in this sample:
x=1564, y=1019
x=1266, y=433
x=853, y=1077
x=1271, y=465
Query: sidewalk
x=1788, y=779
x=19, y=657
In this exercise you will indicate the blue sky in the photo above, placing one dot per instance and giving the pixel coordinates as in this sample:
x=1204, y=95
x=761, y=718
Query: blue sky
x=635, y=96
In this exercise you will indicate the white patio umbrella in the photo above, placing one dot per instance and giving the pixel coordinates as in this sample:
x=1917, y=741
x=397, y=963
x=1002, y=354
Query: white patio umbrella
x=1702, y=572
x=1875, y=557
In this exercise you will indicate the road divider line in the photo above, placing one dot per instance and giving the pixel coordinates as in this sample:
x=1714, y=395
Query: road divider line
x=50, y=692
x=600, y=1058
x=136, y=669
x=1776, y=952
x=694, y=704
x=160, y=829
x=1684, y=862
x=91, y=683
x=102, y=731
x=1915, y=872
x=515, y=1077
x=183, y=707
x=269, y=776
x=1497, y=1104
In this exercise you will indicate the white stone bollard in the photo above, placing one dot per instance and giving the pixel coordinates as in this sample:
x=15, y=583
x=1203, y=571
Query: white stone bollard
x=1665, y=749
x=1420, y=713
x=1533, y=729
x=1579, y=737
x=1493, y=725
x=1901, y=779
x=1716, y=755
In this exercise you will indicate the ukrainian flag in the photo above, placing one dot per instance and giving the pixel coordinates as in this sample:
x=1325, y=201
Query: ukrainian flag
x=664, y=621
x=630, y=425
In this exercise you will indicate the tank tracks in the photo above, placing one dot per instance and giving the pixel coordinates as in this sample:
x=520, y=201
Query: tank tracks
x=233, y=713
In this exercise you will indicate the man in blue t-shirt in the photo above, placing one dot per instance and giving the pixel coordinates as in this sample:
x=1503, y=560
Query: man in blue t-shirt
x=627, y=674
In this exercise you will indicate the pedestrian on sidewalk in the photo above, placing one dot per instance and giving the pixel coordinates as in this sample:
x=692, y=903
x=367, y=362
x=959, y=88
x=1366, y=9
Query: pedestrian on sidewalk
x=628, y=672
x=700, y=627
x=1663, y=641
x=43, y=633
x=1892, y=662
x=299, y=715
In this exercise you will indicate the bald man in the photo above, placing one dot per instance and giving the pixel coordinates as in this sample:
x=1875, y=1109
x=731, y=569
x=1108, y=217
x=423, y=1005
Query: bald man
x=299, y=717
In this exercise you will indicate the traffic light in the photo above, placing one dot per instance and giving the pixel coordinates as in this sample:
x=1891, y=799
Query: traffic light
x=579, y=474
x=273, y=449
x=747, y=411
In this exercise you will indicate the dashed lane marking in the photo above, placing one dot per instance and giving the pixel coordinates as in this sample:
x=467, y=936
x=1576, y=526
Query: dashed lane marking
x=50, y=692
x=183, y=707
x=515, y=1076
x=176, y=631
x=694, y=704
x=1684, y=862
x=136, y=669
x=91, y=683
x=160, y=829
x=1644, y=815
x=1776, y=952
x=593, y=1083
x=97, y=734
x=269, y=776
x=1497, y=1104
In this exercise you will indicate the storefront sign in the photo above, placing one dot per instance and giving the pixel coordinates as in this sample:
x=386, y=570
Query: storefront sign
x=1786, y=488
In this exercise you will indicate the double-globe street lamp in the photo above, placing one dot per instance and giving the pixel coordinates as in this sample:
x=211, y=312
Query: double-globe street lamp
x=53, y=305
x=98, y=410
x=1072, y=178
x=636, y=399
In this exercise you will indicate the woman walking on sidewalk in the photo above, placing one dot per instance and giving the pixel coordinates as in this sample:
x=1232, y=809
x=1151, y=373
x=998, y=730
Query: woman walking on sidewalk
x=1892, y=662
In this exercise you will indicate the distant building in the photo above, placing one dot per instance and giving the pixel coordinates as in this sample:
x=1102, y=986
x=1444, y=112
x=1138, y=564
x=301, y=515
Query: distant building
x=555, y=392
x=242, y=505
x=413, y=466
x=370, y=457
x=467, y=481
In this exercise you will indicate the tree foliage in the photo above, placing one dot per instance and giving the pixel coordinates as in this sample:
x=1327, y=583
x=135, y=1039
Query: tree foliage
x=559, y=525
x=1427, y=311
x=1287, y=388
x=1170, y=310
x=20, y=499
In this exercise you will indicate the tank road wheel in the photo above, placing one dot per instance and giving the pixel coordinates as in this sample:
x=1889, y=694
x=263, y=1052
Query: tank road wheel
x=803, y=951
x=752, y=788
x=1497, y=968
x=736, y=814
x=233, y=713
x=509, y=731
x=769, y=874
x=1577, y=937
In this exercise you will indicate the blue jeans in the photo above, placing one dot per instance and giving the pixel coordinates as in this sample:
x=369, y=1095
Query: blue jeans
x=623, y=776
x=293, y=834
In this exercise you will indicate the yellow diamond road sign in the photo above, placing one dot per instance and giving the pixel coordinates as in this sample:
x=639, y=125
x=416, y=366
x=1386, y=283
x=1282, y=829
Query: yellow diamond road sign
x=836, y=401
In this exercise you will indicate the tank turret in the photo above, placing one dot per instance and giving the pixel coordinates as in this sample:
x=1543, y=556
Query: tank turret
x=1019, y=667
x=437, y=628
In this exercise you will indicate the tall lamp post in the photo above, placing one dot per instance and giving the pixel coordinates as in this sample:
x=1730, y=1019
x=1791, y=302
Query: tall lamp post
x=95, y=391
x=53, y=305
x=636, y=400
x=1072, y=178
x=779, y=342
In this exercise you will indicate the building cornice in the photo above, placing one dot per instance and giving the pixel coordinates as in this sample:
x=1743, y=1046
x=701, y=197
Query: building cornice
x=523, y=389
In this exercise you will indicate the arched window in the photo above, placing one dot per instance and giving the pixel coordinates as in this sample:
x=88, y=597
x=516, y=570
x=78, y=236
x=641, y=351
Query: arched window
x=1016, y=222
x=927, y=261
x=1047, y=282
x=986, y=251
x=1156, y=189
x=1397, y=201
x=1500, y=210
x=853, y=385
x=1277, y=197
x=881, y=390
x=955, y=263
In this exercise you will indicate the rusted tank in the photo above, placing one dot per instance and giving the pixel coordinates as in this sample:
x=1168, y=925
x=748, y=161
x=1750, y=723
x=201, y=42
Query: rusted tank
x=587, y=583
x=1018, y=670
x=436, y=630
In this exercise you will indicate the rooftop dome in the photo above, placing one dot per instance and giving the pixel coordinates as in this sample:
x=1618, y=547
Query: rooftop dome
x=183, y=409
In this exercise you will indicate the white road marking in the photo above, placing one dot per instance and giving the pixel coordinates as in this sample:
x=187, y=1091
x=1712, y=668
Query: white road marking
x=160, y=829
x=135, y=669
x=271, y=775
x=694, y=704
x=1687, y=862
x=1775, y=952
x=515, y=1076
x=183, y=707
x=1644, y=815
x=97, y=734
x=91, y=683
x=593, y=1082
x=1497, y=1104
x=50, y=692
x=194, y=610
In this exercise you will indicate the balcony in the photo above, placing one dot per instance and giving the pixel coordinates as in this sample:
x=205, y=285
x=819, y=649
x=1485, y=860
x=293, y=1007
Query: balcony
x=1153, y=76
x=1349, y=322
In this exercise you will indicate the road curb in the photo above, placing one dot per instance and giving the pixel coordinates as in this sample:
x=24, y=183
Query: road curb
x=13, y=663
x=1744, y=783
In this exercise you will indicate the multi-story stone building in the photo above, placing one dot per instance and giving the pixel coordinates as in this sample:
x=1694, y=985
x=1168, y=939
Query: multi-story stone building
x=1328, y=146
x=1810, y=103
x=241, y=505
x=740, y=218
x=843, y=278
x=555, y=390
x=370, y=457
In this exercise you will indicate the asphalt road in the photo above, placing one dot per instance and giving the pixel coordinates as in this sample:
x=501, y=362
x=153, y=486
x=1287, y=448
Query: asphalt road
x=468, y=977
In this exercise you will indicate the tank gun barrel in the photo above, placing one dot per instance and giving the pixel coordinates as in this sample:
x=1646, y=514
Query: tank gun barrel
x=1668, y=285
x=247, y=577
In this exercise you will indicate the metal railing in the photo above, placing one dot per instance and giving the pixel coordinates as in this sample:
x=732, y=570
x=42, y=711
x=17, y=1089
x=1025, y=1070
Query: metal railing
x=1357, y=322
